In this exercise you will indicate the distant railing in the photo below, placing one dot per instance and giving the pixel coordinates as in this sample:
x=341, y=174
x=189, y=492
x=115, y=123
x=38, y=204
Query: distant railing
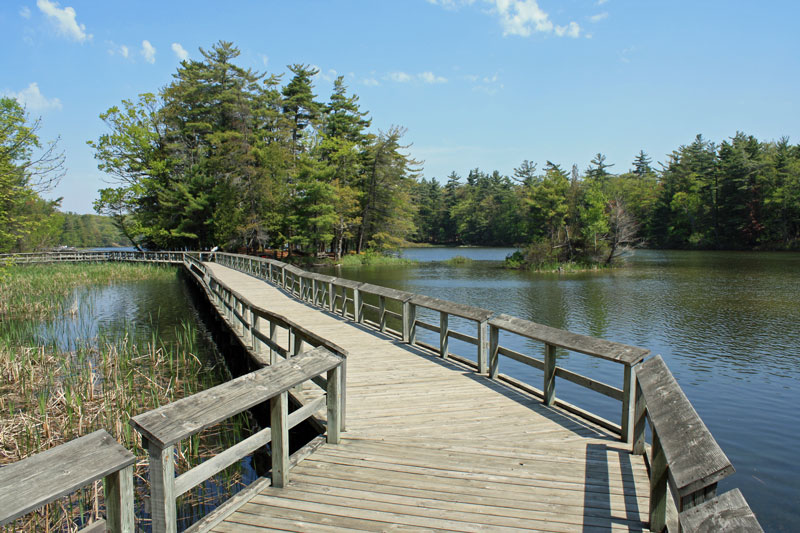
x=684, y=460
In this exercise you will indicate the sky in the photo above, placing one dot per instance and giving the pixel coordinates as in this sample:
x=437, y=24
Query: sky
x=476, y=83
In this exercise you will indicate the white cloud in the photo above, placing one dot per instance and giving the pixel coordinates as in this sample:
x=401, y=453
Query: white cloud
x=264, y=59
x=64, y=19
x=601, y=2
x=33, y=99
x=599, y=16
x=328, y=76
x=25, y=12
x=124, y=51
x=179, y=50
x=370, y=82
x=121, y=49
x=148, y=51
x=400, y=77
x=519, y=17
x=430, y=77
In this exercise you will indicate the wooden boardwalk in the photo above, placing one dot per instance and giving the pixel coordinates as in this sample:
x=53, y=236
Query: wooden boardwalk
x=432, y=446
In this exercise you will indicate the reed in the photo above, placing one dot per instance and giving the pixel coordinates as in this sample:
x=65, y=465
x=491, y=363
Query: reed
x=49, y=395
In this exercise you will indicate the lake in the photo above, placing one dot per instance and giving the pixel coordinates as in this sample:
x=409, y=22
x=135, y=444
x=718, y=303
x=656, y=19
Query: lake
x=726, y=323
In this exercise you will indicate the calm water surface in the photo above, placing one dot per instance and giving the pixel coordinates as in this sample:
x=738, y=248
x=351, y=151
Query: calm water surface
x=726, y=323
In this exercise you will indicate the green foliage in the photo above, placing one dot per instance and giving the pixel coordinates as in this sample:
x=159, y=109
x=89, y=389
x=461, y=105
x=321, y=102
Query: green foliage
x=225, y=156
x=27, y=168
x=739, y=194
x=89, y=231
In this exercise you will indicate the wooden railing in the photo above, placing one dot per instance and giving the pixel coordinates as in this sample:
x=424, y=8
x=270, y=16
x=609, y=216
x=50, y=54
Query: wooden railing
x=685, y=460
x=90, y=256
x=164, y=427
x=336, y=294
x=47, y=476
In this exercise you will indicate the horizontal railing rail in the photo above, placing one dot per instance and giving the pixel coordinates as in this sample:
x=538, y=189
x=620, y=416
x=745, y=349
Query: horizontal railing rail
x=45, y=477
x=161, y=429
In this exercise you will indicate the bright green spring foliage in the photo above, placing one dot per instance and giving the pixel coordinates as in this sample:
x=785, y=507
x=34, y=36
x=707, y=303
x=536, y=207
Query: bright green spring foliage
x=739, y=194
x=27, y=168
x=225, y=156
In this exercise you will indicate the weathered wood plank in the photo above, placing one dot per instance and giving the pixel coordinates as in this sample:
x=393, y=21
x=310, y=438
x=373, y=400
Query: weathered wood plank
x=695, y=459
x=728, y=512
x=612, y=351
x=173, y=422
x=452, y=308
x=42, y=478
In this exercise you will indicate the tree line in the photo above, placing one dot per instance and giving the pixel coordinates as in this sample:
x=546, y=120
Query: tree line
x=225, y=156
x=740, y=194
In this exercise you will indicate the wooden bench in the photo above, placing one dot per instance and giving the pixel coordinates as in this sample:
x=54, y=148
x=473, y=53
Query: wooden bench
x=728, y=512
x=47, y=476
x=684, y=453
x=162, y=428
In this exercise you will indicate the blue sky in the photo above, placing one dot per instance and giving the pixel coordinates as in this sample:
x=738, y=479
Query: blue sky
x=477, y=83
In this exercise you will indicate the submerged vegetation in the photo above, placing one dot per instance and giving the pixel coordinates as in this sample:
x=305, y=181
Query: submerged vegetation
x=57, y=385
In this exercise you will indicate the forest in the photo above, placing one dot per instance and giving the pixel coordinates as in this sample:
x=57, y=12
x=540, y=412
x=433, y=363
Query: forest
x=740, y=194
x=243, y=160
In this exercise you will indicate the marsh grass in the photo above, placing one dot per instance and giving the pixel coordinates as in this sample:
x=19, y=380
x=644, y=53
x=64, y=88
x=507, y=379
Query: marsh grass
x=372, y=258
x=49, y=395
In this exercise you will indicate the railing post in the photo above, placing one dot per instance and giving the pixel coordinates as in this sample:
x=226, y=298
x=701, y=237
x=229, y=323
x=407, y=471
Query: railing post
x=406, y=321
x=119, y=500
x=273, y=336
x=628, y=403
x=331, y=306
x=254, y=323
x=483, y=347
x=444, y=330
x=291, y=348
x=549, y=388
x=334, y=400
x=658, y=486
x=382, y=313
x=639, y=420
x=358, y=309
x=161, y=466
x=278, y=411
x=494, y=351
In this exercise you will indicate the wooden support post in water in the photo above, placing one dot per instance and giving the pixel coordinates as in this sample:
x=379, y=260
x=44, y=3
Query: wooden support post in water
x=278, y=411
x=658, y=486
x=549, y=389
x=119, y=500
x=161, y=467
x=483, y=347
x=628, y=403
x=444, y=331
x=334, y=400
x=494, y=354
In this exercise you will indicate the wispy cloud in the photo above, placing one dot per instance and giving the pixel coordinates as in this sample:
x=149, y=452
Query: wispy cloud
x=64, y=20
x=400, y=77
x=118, y=49
x=599, y=16
x=33, y=99
x=179, y=50
x=430, y=77
x=148, y=51
x=25, y=12
x=370, y=82
x=264, y=59
x=519, y=17
x=424, y=77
